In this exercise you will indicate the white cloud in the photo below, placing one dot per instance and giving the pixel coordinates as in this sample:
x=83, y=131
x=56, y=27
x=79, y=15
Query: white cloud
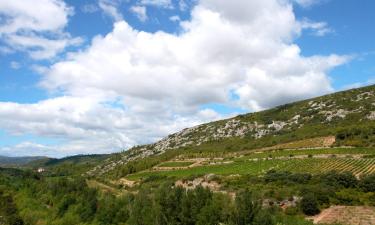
x=133, y=87
x=174, y=18
x=24, y=27
x=15, y=65
x=110, y=8
x=370, y=81
x=159, y=3
x=182, y=5
x=89, y=124
x=89, y=8
x=307, y=3
x=140, y=12
x=318, y=28
x=41, y=47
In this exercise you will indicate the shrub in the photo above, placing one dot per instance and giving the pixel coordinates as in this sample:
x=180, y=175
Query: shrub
x=309, y=205
x=345, y=179
x=367, y=183
x=264, y=218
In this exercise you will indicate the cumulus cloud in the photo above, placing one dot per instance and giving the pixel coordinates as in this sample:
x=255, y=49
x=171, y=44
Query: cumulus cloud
x=140, y=12
x=87, y=125
x=133, y=87
x=110, y=8
x=40, y=34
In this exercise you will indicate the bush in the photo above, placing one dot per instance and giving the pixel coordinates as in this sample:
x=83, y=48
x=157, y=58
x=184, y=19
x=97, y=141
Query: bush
x=367, y=183
x=264, y=218
x=287, y=177
x=291, y=211
x=335, y=179
x=309, y=205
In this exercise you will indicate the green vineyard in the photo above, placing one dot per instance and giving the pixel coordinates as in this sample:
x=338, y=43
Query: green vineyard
x=328, y=151
x=355, y=166
x=358, y=166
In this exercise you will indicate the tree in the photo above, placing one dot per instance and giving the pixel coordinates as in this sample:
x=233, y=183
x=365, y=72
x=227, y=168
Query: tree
x=142, y=210
x=8, y=210
x=309, y=205
x=210, y=214
x=367, y=183
x=335, y=179
x=264, y=218
x=246, y=208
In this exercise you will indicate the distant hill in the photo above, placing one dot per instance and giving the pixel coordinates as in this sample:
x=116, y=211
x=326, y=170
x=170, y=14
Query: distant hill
x=19, y=161
x=71, y=165
x=77, y=159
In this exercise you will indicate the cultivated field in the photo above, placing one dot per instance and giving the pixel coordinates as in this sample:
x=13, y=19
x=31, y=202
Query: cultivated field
x=348, y=215
x=359, y=161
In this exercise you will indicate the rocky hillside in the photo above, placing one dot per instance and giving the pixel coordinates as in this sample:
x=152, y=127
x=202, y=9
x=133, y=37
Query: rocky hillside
x=335, y=114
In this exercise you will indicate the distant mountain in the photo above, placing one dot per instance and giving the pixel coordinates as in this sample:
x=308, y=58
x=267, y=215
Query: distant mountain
x=19, y=161
x=348, y=117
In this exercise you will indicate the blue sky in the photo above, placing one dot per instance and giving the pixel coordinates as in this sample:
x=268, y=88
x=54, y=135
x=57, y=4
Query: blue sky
x=104, y=75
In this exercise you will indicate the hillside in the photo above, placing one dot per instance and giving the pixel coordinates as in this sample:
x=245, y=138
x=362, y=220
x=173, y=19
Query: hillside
x=304, y=162
x=348, y=117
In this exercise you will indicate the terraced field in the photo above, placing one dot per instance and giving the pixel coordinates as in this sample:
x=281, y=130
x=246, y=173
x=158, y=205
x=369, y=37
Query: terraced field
x=324, y=151
x=356, y=166
x=301, y=161
x=175, y=164
x=253, y=168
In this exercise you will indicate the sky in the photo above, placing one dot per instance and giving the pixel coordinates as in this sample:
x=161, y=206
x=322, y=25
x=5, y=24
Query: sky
x=101, y=76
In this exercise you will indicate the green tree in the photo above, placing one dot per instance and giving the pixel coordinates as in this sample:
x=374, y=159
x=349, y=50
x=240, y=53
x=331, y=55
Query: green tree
x=142, y=210
x=367, y=183
x=309, y=205
x=264, y=218
x=246, y=208
x=210, y=214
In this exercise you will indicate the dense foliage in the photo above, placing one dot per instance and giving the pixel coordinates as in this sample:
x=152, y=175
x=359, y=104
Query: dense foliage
x=27, y=198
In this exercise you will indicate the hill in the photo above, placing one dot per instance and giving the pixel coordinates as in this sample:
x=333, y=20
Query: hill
x=71, y=165
x=345, y=118
x=18, y=161
x=279, y=166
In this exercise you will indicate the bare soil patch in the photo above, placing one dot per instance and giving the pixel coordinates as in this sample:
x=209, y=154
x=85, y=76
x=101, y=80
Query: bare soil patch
x=348, y=215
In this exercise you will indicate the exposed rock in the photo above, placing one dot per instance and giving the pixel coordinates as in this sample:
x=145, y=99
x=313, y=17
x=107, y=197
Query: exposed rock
x=371, y=116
